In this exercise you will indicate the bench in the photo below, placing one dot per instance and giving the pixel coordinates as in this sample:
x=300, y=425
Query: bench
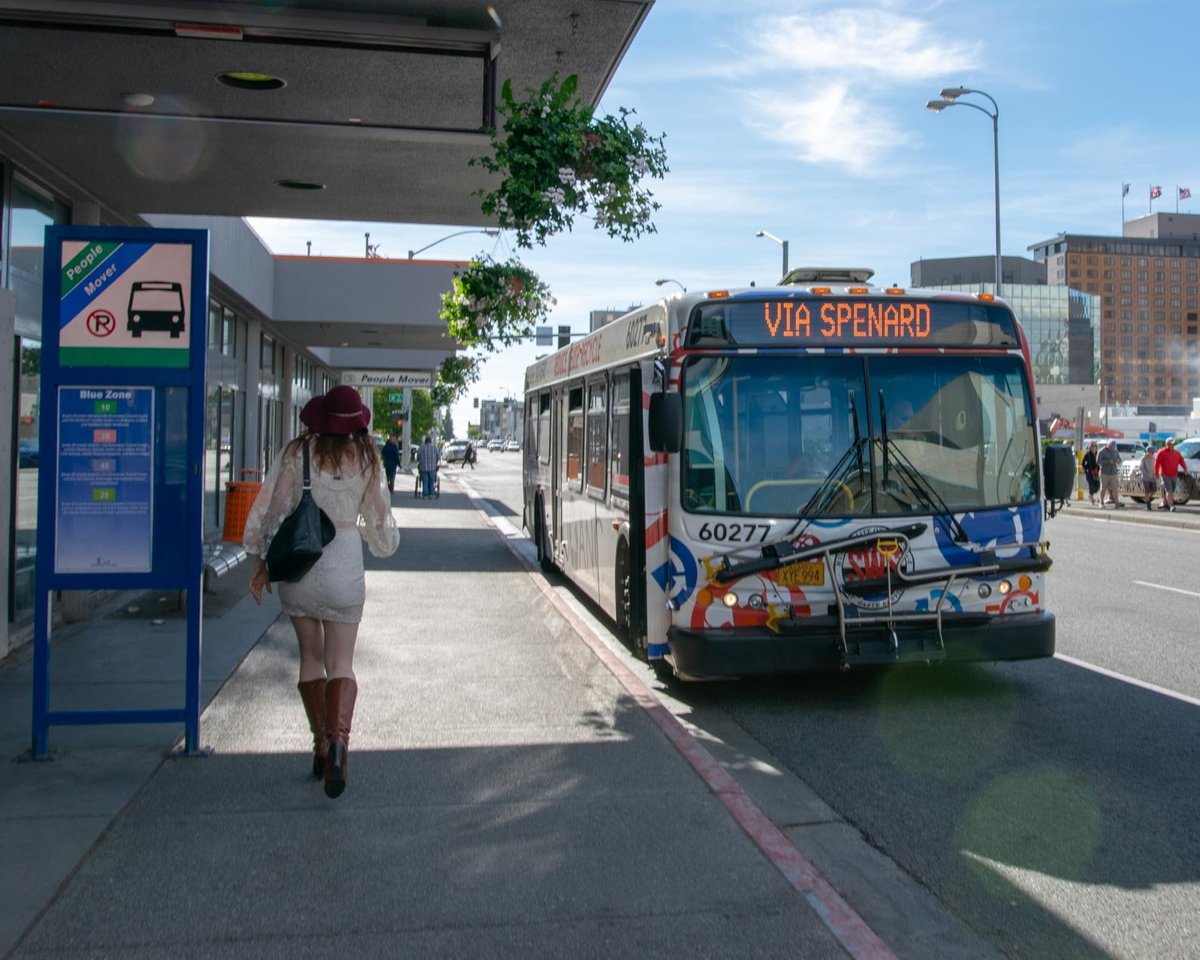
x=220, y=557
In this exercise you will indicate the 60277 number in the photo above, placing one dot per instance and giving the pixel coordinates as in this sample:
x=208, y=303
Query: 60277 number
x=736, y=532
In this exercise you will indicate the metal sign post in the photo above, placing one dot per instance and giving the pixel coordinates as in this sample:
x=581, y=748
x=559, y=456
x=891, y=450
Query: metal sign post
x=124, y=319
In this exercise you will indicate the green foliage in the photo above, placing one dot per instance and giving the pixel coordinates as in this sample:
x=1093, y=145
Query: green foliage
x=454, y=376
x=494, y=304
x=556, y=160
x=422, y=414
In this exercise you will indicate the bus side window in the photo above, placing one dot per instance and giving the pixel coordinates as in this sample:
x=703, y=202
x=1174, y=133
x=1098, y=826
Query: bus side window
x=543, y=428
x=620, y=435
x=574, y=448
x=597, y=436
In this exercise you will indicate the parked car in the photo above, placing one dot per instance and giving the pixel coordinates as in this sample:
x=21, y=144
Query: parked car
x=27, y=452
x=495, y=444
x=454, y=451
x=1186, y=488
x=512, y=446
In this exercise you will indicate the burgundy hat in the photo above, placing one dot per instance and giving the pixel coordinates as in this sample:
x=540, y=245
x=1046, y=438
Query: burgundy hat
x=339, y=411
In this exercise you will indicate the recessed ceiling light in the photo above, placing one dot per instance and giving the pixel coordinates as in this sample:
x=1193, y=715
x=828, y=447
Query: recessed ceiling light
x=246, y=80
x=299, y=185
x=138, y=99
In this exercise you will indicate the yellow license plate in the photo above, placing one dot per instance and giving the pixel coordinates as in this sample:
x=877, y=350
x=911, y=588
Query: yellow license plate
x=810, y=573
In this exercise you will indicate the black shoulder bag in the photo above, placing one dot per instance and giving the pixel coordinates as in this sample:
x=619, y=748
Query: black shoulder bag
x=298, y=543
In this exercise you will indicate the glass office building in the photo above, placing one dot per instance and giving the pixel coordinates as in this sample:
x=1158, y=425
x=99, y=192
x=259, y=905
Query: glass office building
x=1061, y=326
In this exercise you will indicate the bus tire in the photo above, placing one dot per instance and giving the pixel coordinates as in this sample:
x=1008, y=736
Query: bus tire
x=544, y=557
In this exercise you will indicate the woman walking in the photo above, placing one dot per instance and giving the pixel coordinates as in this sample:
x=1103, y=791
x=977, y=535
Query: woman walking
x=327, y=604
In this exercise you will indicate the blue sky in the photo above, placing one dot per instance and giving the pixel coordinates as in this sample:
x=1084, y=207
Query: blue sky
x=808, y=120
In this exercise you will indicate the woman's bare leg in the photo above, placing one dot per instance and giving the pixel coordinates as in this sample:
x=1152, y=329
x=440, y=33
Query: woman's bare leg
x=339, y=648
x=310, y=635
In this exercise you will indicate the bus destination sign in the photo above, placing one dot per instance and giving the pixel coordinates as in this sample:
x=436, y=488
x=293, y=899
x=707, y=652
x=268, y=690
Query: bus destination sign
x=857, y=321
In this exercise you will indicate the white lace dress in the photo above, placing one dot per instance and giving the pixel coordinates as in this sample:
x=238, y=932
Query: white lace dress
x=359, y=506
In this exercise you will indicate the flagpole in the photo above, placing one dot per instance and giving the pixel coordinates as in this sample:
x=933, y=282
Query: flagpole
x=1124, y=191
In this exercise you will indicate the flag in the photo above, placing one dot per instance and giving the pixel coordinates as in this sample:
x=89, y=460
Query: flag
x=1155, y=193
x=1184, y=193
x=1124, y=189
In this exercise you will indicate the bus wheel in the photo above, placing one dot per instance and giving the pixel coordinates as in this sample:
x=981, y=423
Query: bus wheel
x=544, y=559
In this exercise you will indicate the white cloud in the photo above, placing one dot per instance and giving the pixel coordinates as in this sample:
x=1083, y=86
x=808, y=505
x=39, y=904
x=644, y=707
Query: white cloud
x=828, y=126
x=862, y=42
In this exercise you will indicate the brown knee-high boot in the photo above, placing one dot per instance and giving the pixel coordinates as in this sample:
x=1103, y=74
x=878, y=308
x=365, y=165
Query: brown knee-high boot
x=340, y=694
x=312, y=692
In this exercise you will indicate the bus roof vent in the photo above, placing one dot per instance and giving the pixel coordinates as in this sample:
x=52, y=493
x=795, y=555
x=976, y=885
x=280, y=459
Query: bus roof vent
x=827, y=275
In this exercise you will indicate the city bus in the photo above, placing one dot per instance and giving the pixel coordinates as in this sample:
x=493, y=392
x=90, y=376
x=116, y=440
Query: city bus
x=818, y=475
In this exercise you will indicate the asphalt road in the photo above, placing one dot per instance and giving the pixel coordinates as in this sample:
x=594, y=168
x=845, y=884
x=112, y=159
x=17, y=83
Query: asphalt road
x=1055, y=809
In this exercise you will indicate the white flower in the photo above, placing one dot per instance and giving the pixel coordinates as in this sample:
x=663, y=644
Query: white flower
x=636, y=163
x=554, y=195
x=601, y=217
x=640, y=130
x=566, y=175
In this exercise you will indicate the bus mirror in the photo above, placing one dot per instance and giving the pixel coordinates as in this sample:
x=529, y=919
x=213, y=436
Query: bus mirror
x=666, y=422
x=1058, y=472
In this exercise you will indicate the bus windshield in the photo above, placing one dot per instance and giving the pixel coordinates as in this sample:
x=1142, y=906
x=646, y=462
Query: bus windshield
x=856, y=435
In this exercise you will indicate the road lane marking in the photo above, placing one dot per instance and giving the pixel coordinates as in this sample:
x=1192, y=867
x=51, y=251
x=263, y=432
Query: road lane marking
x=1159, y=586
x=850, y=929
x=1113, y=675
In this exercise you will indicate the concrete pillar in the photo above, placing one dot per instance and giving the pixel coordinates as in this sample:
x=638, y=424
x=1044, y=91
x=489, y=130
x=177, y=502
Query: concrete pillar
x=85, y=213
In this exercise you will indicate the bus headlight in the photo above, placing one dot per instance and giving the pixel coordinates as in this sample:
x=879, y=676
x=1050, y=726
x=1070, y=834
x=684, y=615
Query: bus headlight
x=730, y=599
x=1004, y=587
x=756, y=601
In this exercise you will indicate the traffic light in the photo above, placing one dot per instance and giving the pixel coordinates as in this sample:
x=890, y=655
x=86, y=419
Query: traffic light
x=564, y=336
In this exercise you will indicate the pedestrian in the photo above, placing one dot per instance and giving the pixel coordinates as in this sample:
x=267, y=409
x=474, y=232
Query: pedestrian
x=1091, y=472
x=1169, y=464
x=1110, y=464
x=427, y=465
x=1149, y=477
x=391, y=461
x=469, y=456
x=326, y=605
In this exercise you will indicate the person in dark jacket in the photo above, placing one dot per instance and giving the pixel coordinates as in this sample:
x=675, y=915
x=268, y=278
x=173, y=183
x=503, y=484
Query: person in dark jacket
x=391, y=461
x=1091, y=472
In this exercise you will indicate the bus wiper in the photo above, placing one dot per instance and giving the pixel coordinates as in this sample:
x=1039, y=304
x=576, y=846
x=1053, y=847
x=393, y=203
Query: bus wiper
x=924, y=491
x=887, y=466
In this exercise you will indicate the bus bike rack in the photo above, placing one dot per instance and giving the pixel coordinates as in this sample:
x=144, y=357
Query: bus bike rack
x=889, y=547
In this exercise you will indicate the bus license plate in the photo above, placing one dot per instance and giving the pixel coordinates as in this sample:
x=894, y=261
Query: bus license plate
x=810, y=573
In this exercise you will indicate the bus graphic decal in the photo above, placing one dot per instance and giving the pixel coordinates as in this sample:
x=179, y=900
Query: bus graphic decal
x=156, y=305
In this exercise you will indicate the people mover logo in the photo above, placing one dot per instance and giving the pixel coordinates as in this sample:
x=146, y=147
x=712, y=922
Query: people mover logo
x=870, y=562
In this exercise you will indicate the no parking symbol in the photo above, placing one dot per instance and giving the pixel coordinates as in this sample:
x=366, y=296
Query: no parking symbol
x=101, y=323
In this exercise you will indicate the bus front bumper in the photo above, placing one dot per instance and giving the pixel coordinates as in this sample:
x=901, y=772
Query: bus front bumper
x=814, y=646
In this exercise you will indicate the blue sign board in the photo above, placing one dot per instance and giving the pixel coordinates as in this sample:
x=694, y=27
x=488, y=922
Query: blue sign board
x=103, y=515
x=120, y=480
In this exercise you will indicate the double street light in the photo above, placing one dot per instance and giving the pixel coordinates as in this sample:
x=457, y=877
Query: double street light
x=782, y=243
x=950, y=98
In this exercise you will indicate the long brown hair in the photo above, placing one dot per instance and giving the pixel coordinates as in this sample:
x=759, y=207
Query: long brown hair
x=332, y=450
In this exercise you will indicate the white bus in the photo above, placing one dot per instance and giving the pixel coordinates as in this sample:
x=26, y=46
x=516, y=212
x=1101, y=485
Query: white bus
x=822, y=474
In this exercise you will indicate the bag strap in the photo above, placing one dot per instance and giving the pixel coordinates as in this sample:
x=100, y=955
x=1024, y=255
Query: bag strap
x=307, y=478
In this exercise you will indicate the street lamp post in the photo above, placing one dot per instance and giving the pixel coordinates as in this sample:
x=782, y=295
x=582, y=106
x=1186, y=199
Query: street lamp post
x=782, y=243
x=949, y=98
x=489, y=232
x=659, y=283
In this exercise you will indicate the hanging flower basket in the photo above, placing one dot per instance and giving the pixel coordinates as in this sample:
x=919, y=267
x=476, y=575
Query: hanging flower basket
x=557, y=160
x=494, y=304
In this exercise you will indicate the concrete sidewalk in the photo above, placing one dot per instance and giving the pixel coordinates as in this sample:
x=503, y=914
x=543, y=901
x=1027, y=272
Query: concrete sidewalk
x=507, y=797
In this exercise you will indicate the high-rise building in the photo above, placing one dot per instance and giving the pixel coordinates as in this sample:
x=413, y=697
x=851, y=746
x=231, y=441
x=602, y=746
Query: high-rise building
x=1148, y=280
